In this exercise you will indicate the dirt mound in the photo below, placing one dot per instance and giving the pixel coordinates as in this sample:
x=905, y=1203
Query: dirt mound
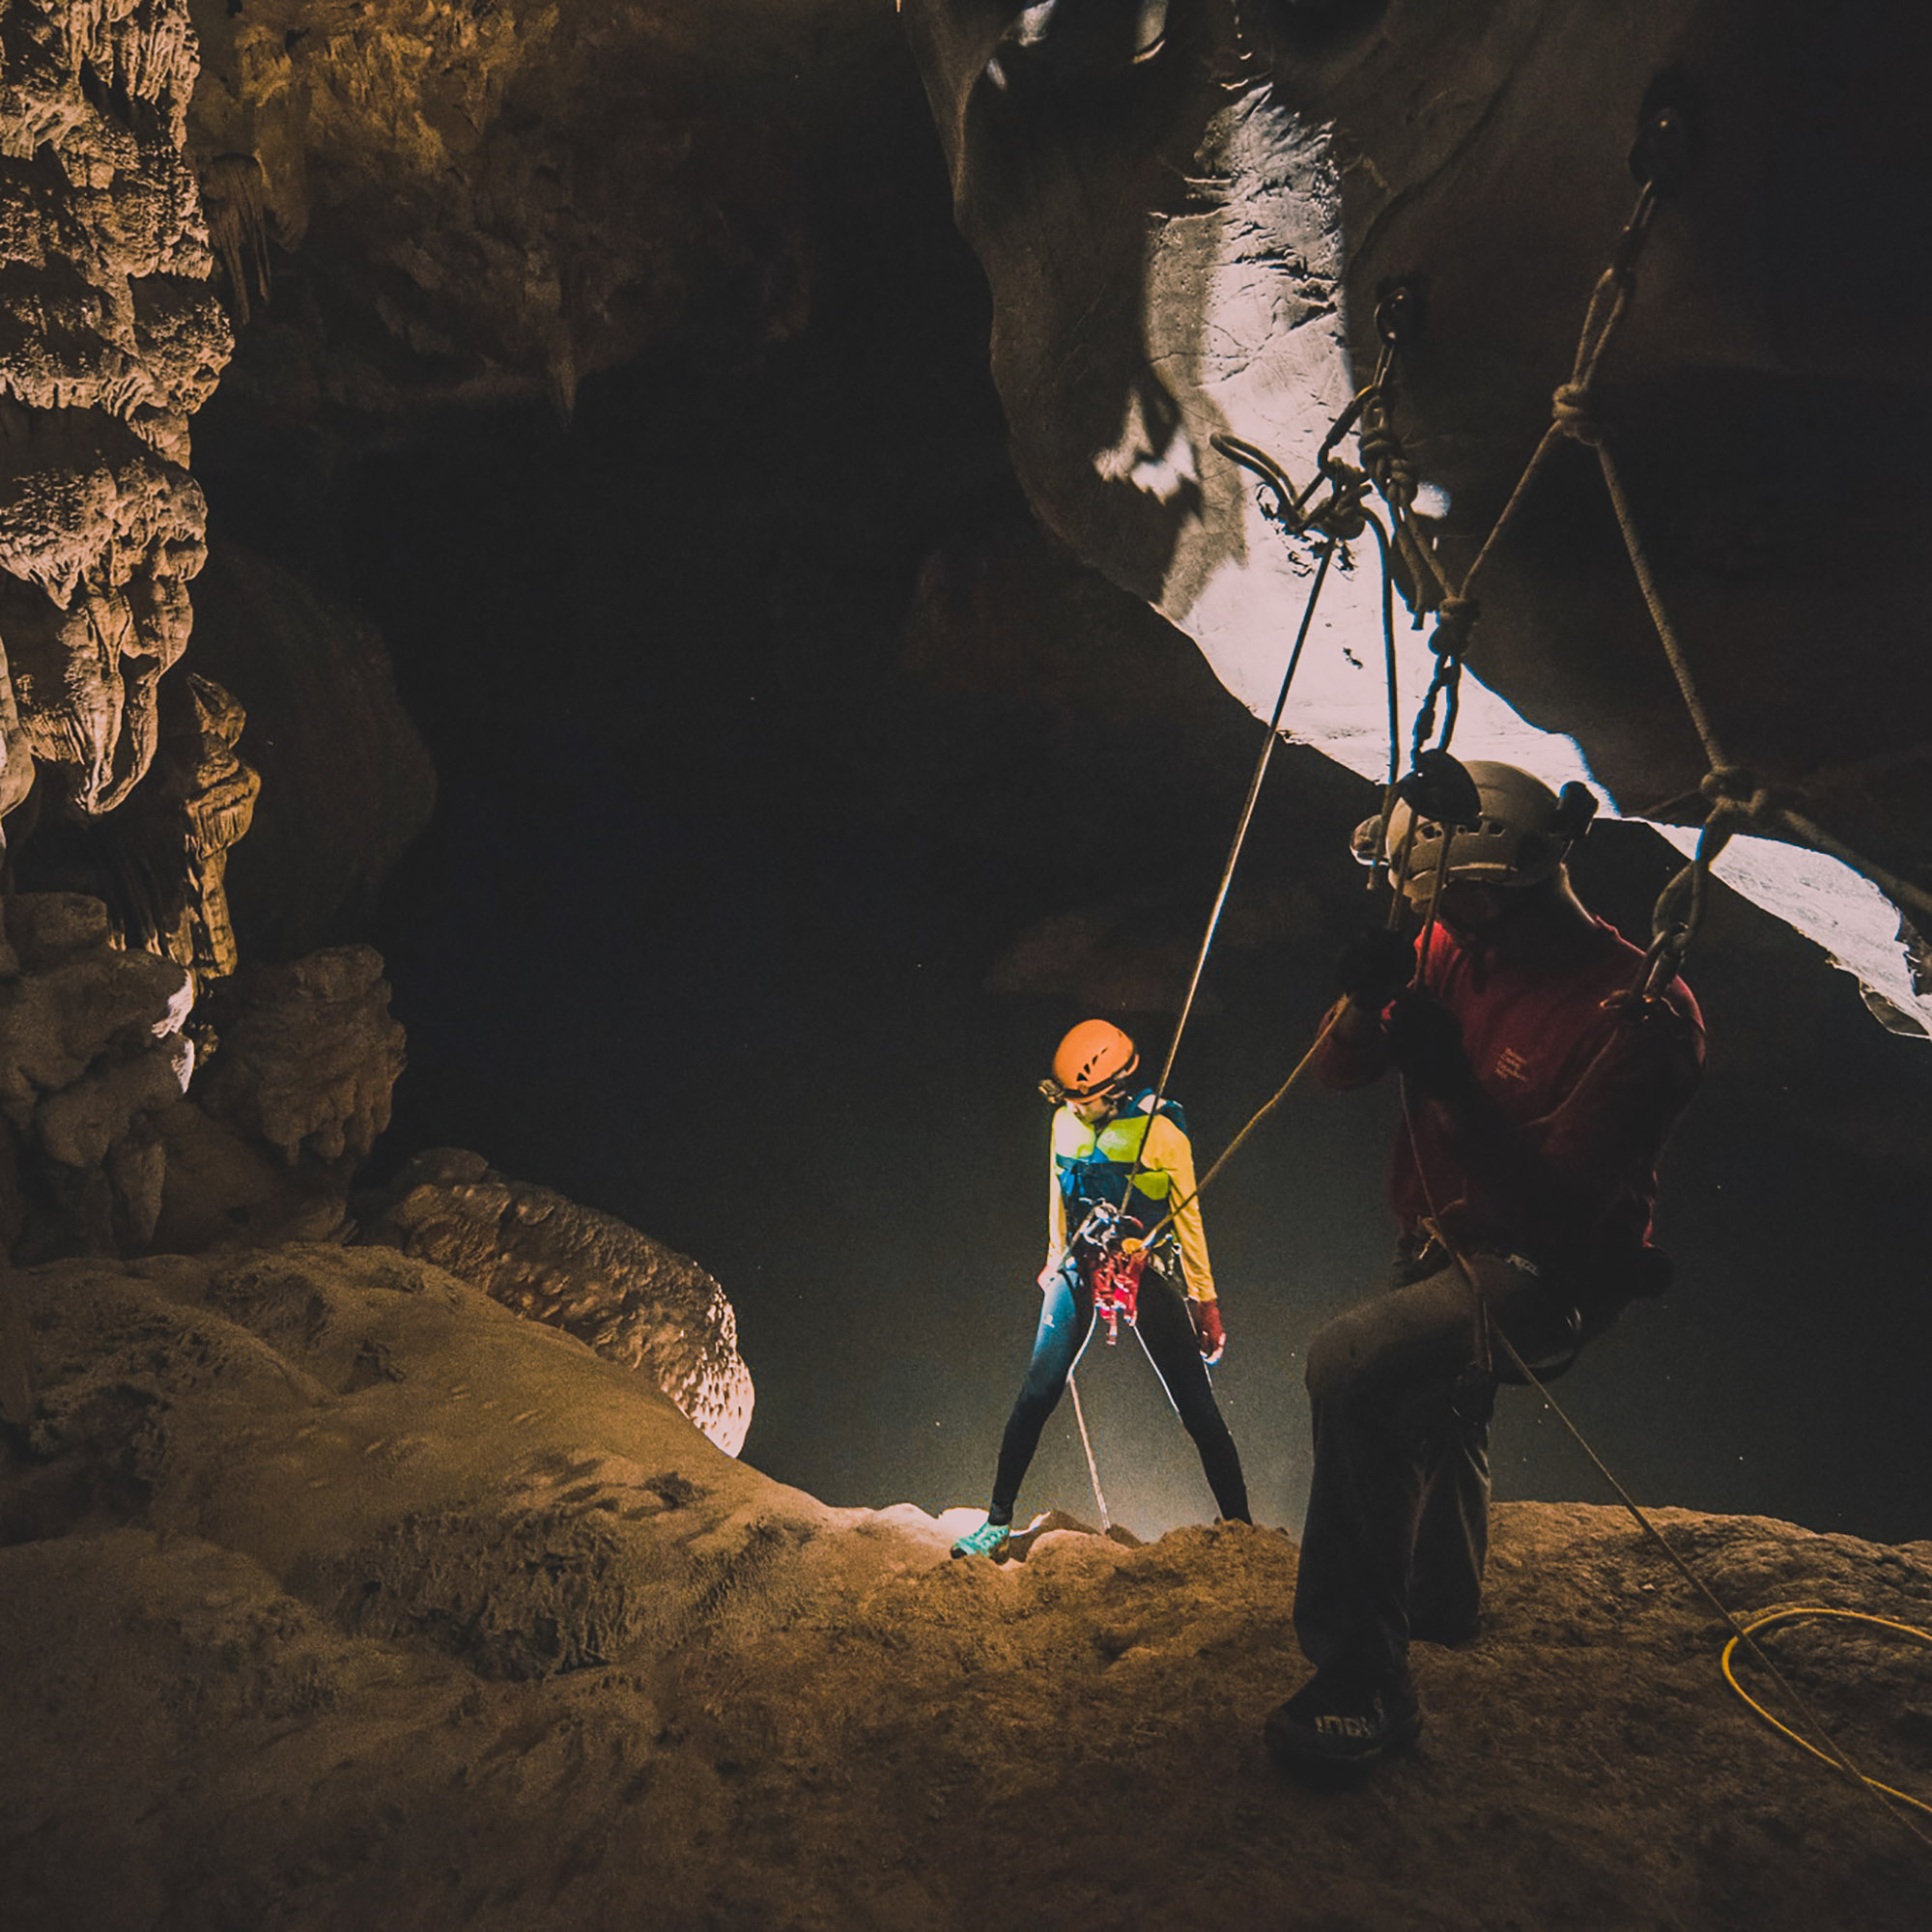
x=336, y=1596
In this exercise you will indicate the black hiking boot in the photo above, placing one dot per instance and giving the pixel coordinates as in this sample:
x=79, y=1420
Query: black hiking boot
x=1337, y=1725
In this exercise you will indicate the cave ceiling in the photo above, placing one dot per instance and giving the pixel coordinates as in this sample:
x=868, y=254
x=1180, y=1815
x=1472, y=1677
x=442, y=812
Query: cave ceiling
x=1189, y=213
x=475, y=203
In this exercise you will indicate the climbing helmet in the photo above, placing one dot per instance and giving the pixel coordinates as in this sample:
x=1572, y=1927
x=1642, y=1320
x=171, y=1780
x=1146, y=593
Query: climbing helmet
x=1093, y=1059
x=1522, y=835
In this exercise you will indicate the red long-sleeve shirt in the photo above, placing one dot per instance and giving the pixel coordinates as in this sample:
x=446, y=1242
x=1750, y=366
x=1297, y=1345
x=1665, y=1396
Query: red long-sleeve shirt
x=1588, y=1096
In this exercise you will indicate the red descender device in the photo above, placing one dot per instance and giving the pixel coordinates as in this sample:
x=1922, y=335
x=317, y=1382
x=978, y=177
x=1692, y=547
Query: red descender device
x=1113, y=1261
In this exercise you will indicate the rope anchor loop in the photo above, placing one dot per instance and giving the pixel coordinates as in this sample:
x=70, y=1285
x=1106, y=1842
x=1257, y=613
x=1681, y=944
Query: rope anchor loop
x=1737, y=792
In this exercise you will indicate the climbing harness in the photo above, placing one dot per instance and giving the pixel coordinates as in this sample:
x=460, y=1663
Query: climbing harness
x=1112, y=1260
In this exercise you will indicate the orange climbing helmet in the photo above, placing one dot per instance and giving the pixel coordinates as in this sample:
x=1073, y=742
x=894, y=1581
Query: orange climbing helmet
x=1093, y=1060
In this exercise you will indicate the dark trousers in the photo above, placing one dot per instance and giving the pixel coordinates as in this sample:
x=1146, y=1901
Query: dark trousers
x=1397, y=1523
x=1166, y=1333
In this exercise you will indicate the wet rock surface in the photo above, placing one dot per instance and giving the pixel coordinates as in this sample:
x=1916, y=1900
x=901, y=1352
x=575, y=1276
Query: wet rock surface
x=401, y=1610
x=1189, y=217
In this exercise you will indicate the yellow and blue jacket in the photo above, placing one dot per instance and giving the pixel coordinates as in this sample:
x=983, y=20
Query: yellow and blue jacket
x=1094, y=1164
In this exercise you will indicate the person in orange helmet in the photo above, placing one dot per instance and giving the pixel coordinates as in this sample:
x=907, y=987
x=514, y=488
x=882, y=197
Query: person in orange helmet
x=1123, y=1185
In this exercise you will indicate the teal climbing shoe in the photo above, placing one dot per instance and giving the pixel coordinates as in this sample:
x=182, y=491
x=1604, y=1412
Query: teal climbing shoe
x=990, y=1539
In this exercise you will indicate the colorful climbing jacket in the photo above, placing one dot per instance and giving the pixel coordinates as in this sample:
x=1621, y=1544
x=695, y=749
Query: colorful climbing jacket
x=1098, y=1165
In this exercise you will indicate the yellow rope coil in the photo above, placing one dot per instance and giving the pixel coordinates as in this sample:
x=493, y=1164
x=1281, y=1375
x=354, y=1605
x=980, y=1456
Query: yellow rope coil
x=1772, y=1617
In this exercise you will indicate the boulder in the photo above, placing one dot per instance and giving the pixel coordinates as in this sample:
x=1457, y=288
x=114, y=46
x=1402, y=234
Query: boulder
x=309, y=1056
x=92, y=1055
x=629, y=1299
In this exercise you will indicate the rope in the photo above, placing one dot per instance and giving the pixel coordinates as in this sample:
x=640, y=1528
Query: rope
x=1254, y=1119
x=1673, y=650
x=1737, y=794
x=1487, y=1331
x=1739, y=799
x=1379, y=869
x=1241, y=826
x=1832, y=1754
x=1772, y=1617
x=1086, y=1443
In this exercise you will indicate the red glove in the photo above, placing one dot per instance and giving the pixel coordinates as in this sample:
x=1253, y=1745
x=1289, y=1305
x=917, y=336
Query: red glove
x=1207, y=1329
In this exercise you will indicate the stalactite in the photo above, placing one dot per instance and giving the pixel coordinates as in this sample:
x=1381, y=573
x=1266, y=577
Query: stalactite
x=234, y=197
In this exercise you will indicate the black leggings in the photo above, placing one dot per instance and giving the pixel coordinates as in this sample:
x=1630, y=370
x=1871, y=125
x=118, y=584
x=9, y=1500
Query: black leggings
x=1166, y=1333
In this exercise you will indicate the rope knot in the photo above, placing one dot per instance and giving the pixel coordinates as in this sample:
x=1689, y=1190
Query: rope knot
x=1739, y=792
x=1573, y=410
x=1455, y=619
x=1387, y=462
x=1342, y=517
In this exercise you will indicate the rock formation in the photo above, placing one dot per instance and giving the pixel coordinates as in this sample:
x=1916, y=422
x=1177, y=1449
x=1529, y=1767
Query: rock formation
x=402, y=1610
x=91, y=1055
x=100, y=1150
x=488, y=205
x=112, y=341
x=309, y=1053
x=626, y=1297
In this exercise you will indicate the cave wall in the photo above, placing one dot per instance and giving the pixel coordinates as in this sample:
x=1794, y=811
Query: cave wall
x=111, y=340
x=156, y=1093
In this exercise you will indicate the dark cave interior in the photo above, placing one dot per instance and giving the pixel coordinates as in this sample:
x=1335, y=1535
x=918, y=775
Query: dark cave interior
x=572, y=735
x=766, y=725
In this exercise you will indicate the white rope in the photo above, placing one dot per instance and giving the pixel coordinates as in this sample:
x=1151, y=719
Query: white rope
x=1086, y=1443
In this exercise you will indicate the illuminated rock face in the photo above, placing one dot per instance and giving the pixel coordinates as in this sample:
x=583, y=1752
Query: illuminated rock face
x=494, y=202
x=1188, y=210
x=586, y=1272
x=109, y=341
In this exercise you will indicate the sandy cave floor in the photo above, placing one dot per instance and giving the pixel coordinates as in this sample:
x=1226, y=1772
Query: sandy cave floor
x=335, y=1596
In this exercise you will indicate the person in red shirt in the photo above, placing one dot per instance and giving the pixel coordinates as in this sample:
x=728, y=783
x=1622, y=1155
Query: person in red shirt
x=1537, y=1090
